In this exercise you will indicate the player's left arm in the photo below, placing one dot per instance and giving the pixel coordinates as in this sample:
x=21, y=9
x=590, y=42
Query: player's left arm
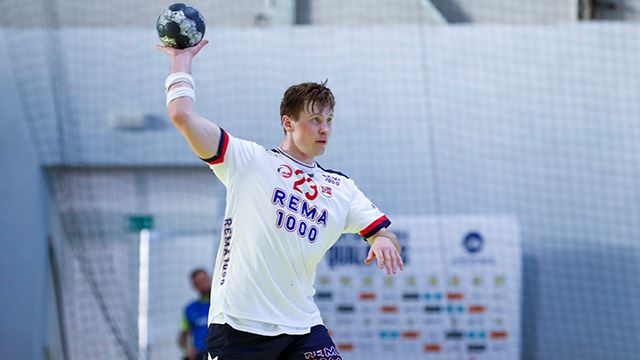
x=385, y=247
x=185, y=328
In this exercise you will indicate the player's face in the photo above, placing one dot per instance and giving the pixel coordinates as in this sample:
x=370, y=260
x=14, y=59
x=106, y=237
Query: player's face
x=311, y=132
x=202, y=283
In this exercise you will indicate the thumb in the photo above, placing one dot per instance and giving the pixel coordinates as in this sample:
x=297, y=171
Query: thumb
x=370, y=257
x=202, y=44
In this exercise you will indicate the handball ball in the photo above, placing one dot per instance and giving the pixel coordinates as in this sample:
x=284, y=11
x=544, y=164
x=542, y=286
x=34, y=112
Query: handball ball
x=180, y=26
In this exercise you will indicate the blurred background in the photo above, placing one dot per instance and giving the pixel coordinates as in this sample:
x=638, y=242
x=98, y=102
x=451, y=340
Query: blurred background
x=526, y=109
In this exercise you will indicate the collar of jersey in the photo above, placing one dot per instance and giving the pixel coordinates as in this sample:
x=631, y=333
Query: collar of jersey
x=294, y=160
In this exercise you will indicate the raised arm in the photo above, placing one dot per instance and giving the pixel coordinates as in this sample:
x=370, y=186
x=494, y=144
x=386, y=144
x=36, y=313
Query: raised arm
x=203, y=135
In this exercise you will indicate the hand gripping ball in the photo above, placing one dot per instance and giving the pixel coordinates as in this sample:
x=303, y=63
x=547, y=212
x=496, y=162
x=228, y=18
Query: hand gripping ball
x=180, y=26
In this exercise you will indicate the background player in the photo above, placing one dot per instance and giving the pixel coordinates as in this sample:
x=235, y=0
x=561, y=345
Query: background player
x=284, y=211
x=195, y=317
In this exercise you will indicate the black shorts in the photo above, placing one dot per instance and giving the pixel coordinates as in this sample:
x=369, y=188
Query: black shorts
x=228, y=343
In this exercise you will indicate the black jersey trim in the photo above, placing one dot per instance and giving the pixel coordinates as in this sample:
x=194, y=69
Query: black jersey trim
x=374, y=227
x=222, y=149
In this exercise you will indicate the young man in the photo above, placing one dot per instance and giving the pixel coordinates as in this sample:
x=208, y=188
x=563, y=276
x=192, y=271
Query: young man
x=195, y=317
x=283, y=212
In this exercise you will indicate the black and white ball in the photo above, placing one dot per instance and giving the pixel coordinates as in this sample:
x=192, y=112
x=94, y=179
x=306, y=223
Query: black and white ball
x=180, y=26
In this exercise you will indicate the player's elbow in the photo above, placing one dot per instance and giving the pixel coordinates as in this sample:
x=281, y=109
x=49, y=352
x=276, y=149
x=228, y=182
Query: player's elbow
x=179, y=116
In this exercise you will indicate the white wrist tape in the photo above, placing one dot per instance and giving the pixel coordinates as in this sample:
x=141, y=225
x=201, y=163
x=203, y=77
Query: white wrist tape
x=177, y=77
x=178, y=92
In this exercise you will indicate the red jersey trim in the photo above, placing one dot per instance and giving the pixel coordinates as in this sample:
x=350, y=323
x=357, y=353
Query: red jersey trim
x=374, y=227
x=218, y=158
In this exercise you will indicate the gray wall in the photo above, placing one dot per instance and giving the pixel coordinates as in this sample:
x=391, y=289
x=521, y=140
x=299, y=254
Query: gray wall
x=23, y=229
x=509, y=12
x=243, y=13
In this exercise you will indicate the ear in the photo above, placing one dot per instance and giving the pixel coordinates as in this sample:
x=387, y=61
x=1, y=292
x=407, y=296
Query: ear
x=287, y=123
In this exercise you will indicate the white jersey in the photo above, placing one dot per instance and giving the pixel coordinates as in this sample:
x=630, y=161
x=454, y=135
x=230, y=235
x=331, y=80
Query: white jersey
x=280, y=219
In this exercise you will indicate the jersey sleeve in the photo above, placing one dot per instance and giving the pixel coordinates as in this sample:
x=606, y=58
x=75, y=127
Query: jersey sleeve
x=364, y=218
x=184, y=323
x=232, y=157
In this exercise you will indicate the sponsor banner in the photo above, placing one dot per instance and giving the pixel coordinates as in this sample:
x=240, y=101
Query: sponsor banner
x=458, y=297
